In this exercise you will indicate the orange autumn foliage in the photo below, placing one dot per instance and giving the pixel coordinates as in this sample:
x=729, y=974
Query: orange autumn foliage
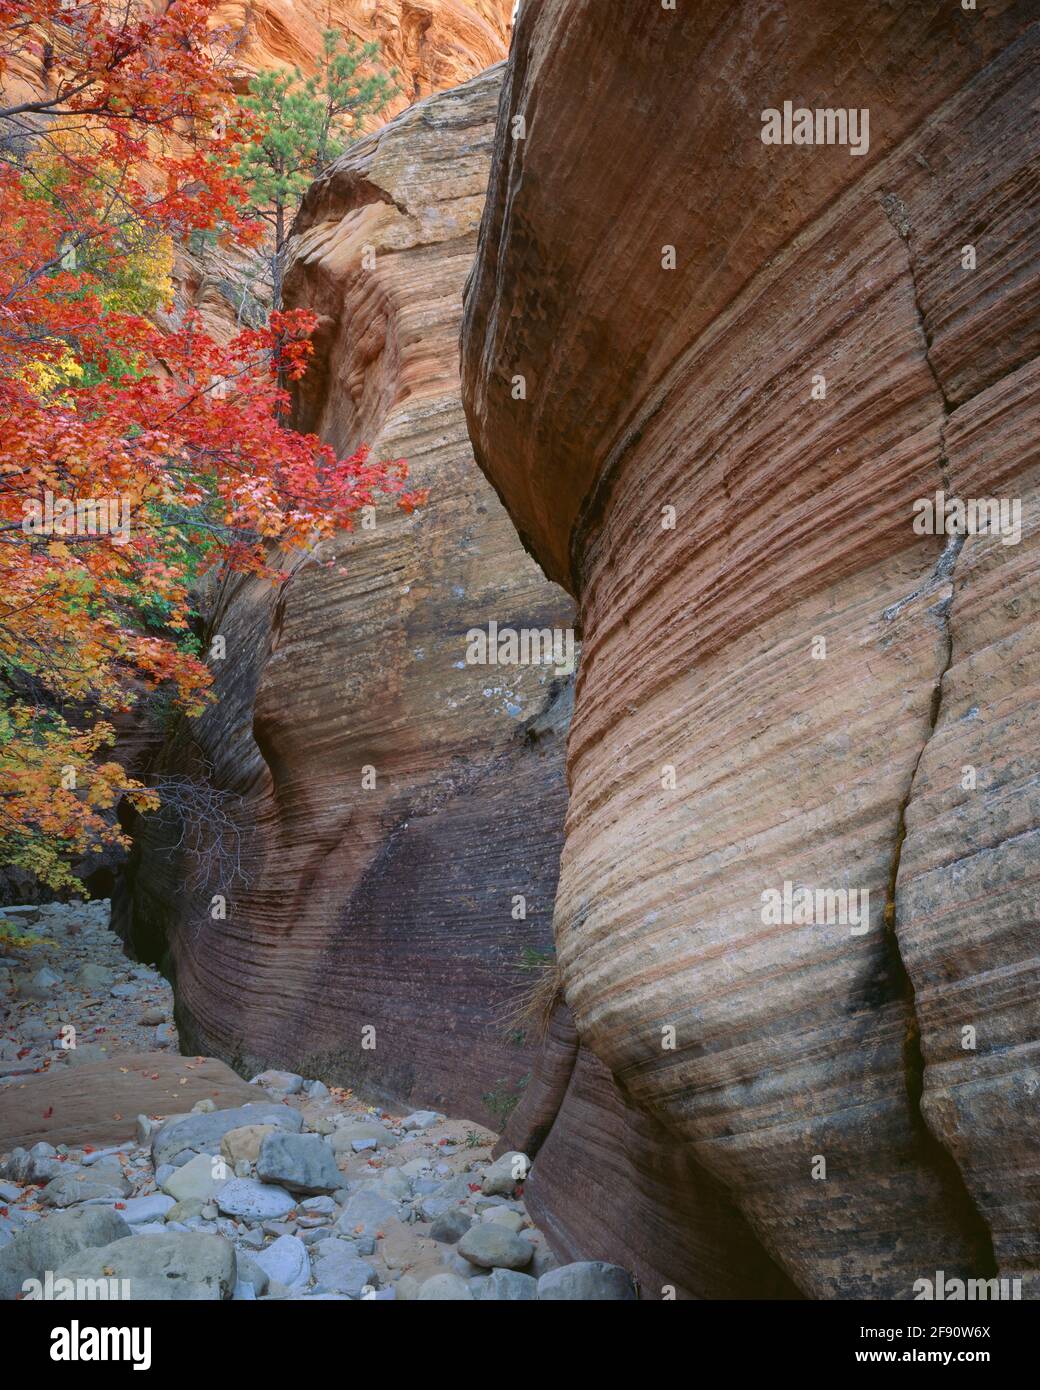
x=132, y=456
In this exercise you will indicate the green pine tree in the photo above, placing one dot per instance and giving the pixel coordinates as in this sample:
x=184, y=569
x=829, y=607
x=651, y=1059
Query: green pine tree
x=306, y=123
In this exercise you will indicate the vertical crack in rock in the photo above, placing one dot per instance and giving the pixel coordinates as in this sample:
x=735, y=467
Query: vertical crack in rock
x=962, y=1201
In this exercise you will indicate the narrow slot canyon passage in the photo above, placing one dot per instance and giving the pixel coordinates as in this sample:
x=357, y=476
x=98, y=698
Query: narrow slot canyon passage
x=541, y=802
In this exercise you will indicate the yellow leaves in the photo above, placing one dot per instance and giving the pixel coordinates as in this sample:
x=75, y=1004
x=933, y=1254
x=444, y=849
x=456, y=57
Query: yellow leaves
x=144, y=281
x=12, y=938
x=127, y=260
x=49, y=375
x=56, y=796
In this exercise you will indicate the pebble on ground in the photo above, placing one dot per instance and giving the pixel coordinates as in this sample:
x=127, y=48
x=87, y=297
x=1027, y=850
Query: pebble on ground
x=311, y=1195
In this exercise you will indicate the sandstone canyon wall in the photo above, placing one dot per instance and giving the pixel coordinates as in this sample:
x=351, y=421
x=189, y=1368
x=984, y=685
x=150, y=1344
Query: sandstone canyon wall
x=389, y=906
x=788, y=684
x=430, y=45
x=392, y=906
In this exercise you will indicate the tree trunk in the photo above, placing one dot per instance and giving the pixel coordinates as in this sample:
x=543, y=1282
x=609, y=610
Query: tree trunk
x=276, y=293
x=279, y=247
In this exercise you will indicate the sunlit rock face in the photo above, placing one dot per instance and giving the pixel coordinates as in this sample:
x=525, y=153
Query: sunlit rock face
x=430, y=44
x=427, y=46
x=743, y=365
x=398, y=811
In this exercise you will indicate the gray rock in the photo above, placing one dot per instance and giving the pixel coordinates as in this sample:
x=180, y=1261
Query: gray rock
x=250, y=1272
x=456, y=1187
x=88, y=1160
x=317, y=1090
x=366, y=1210
x=544, y=1259
x=254, y=1201
x=299, y=1162
x=200, y=1179
x=587, y=1280
x=279, y=1228
x=342, y=1140
x=151, y=1018
x=337, y=1267
x=39, y=986
x=457, y=1265
x=319, y=1206
x=430, y=1208
x=493, y=1247
x=47, y=1244
x=14, y=1164
x=136, y=1210
x=286, y=1262
x=19, y=1160
x=174, y=1266
x=451, y=1225
x=444, y=1287
x=68, y=1189
x=417, y=1168
x=391, y=1184
x=126, y=991
x=501, y=1178
x=23, y=1068
x=203, y=1133
x=502, y=1216
x=286, y=1083
x=85, y=1053
x=187, y=1210
x=165, y=1034
x=420, y=1119
x=361, y=1146
x=38, y=1165
x=483, y=1204
x=507, y=1285
x=9, y=1192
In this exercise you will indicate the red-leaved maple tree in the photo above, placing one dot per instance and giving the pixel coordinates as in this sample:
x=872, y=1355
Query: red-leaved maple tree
x=135, y=449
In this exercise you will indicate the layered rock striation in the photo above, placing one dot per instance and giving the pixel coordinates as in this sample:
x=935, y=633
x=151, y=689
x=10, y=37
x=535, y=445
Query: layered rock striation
x=383, y=818
x=744, y=363
x=430, y=44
